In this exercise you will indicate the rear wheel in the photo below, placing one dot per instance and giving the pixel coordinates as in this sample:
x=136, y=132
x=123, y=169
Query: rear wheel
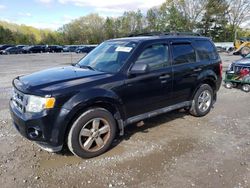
x=245, y=87
x=92, y=133
x=202, y=101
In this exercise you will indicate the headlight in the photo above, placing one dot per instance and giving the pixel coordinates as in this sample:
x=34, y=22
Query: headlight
x=37, y=104
x=230, y=67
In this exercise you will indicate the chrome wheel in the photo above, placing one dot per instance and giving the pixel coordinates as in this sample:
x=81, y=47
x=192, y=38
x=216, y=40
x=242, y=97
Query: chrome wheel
x=204, y=101
x=94, y=134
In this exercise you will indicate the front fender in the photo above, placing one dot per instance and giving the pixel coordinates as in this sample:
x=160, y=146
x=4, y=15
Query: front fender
x=91, y=97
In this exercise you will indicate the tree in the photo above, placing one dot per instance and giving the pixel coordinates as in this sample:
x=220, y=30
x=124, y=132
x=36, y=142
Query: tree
x=109, y=28
x=131, y=22
x=239, y=12
x=177, y=22
x=6, y=36
x=192, y=10
x=153, y=18
x=87, y=29
x=214, y=22
x=171, y=18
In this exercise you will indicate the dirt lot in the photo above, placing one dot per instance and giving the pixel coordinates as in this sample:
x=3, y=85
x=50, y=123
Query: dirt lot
x=172, y=150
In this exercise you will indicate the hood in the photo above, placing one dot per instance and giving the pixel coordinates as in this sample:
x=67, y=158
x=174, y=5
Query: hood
x=56, y=78
x=243, y=61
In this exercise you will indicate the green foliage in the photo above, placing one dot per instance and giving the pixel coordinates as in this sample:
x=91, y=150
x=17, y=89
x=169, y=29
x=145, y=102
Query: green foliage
x=214, y=21
x=22, y=34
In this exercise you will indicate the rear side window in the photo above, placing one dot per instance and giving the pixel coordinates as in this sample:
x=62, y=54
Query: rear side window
x=205, y=50
x=183, y=53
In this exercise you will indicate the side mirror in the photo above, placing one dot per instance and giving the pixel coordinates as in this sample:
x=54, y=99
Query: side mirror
x=139, y=68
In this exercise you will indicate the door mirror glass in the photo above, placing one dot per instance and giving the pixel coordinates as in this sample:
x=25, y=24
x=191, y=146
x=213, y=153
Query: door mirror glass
x=139, y=68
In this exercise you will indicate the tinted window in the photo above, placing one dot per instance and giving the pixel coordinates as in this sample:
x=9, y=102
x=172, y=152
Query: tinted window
x=205, y=50
x=156, y=56
x=110, y=56
x=183, y=53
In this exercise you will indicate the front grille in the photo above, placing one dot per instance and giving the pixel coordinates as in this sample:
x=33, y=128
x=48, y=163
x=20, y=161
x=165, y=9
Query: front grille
x=19, y=101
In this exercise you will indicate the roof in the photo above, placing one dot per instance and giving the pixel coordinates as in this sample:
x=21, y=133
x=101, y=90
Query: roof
x=146, y=37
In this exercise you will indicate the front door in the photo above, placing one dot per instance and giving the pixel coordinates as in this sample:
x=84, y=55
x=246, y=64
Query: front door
x=150, y=91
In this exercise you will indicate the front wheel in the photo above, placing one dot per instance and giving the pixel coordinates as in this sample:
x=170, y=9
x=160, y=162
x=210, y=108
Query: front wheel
x=245, y=87
x=92, y=133
x=229, y=85
x=203, y=101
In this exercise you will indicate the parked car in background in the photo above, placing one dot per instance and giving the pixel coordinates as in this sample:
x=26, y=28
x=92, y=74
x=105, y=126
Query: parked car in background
x=54, y=48
x=12, y=50
x=21, y=46
x=3, y=47
x=34, y=49
x=85, y=49
x=220, y=49
x=238, y=74
x=26, y=49
x=70, y=48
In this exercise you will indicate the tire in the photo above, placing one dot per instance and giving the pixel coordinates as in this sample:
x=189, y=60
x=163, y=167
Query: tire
x=85, y=145
x=228, y=85
x=245, y=50
x=202, y=101
x=245, y=87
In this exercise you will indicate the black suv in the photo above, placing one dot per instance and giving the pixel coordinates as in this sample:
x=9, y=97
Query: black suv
x=85, y=49
x=34, y=49
x=120, y=82
x=54, y=48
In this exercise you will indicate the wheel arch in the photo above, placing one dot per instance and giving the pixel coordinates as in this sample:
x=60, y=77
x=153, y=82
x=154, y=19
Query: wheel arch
x=210, y=80
x=109, y=104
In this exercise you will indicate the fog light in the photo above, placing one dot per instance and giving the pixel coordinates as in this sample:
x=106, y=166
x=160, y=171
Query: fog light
x=34, y=133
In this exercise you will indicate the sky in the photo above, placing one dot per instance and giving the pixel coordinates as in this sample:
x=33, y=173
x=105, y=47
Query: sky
x=53, y=14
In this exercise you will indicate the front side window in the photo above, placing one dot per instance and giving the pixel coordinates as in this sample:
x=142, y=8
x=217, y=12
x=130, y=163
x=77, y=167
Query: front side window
x=156, y=56
x=183, y=53
x=109, y=56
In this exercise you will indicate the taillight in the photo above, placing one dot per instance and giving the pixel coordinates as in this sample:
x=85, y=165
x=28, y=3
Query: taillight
x=221, y=70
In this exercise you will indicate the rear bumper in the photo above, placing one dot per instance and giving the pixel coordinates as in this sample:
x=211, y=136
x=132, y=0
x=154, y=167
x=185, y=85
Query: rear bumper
x=218, y=84
x=47, y=129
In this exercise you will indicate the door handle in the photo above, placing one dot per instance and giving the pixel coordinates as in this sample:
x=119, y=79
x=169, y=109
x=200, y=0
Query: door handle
x=165, y=76
x=197, y=69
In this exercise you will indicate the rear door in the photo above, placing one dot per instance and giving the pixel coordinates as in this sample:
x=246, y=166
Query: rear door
x=185, y=70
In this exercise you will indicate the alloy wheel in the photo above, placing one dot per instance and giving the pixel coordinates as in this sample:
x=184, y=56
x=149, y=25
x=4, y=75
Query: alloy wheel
x=94, y=134
x=204, y=101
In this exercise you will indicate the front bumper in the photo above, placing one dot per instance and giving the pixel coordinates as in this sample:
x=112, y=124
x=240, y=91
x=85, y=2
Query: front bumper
x=47, y=128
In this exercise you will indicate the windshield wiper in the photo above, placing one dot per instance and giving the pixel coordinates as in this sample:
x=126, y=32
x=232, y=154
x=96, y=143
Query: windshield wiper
x=85, y=67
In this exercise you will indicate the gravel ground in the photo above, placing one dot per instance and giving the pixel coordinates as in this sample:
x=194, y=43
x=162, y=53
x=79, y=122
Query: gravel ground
x=171, y=150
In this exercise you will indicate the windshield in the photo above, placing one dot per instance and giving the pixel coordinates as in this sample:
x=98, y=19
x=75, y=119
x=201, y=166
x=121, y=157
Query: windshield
x=109, y=56
x=248, y=56
x=9, y=48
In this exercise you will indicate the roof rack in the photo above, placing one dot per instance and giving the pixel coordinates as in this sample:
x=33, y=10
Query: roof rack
x=165, y=33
